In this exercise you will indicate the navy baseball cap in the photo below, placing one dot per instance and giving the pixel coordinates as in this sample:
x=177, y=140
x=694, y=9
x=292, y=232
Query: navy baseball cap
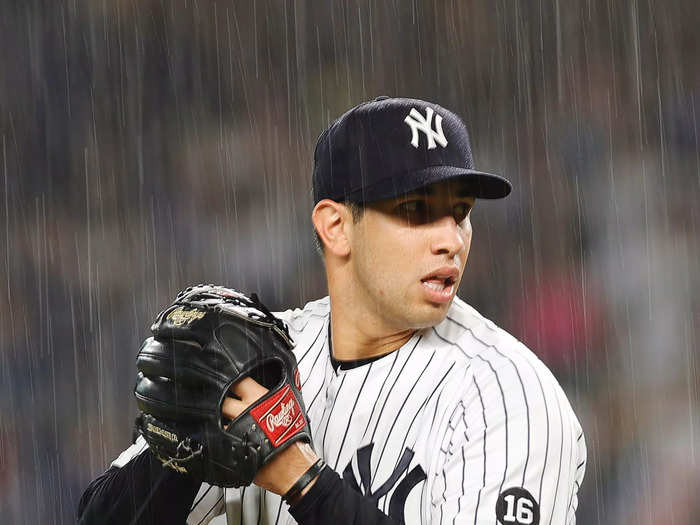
x=392, y=146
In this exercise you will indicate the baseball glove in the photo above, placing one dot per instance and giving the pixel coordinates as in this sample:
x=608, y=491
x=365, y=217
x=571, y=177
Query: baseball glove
x=208, y=339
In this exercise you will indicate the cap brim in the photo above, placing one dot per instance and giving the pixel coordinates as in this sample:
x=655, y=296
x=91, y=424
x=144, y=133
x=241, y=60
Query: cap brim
x=477, y=184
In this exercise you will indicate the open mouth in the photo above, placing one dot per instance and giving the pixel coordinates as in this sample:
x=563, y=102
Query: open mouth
x=440, y=289
x=439, y=284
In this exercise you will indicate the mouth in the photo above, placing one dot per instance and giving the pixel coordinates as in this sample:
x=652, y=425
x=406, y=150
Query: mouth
x=441, y=285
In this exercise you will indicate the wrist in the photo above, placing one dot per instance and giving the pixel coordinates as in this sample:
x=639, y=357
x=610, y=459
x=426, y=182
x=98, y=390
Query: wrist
x=304, y=483
x=286, y=468
x=293, y=501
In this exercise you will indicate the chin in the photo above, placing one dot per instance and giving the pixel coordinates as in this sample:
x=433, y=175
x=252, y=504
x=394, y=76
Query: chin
x=431, y=314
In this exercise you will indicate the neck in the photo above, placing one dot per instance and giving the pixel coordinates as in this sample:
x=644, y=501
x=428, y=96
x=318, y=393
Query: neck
x=358, y=335
x=359, y=328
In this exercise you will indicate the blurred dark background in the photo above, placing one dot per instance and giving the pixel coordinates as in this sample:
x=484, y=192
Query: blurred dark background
x=147, y=145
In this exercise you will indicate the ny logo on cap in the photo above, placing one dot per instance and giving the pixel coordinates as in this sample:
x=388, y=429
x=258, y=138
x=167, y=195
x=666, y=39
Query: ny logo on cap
x=418, y=122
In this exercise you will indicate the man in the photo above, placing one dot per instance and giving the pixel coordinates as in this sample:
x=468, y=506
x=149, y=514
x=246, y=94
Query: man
x=424, y=411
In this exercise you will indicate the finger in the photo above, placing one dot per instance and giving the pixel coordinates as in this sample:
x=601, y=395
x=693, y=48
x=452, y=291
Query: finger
x=248, y=390
x=232, y=408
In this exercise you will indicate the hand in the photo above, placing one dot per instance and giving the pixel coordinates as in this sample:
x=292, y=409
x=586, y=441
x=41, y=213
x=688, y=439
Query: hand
x=194, y=440
x=281, y=472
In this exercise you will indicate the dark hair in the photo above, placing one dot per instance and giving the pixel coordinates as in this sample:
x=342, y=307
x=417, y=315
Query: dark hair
x=356, y=208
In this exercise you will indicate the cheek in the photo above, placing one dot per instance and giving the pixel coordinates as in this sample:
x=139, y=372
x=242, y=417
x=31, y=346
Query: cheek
x=373, y=263
x=387, y=262
x=467, y=236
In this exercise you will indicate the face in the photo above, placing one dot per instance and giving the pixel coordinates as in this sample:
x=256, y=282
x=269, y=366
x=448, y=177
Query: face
x=408, y=254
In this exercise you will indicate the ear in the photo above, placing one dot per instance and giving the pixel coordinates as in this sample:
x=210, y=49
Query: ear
x=331, y=221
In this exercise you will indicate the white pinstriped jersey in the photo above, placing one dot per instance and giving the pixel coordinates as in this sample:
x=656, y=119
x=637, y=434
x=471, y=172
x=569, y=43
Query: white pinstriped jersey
x=460, y=424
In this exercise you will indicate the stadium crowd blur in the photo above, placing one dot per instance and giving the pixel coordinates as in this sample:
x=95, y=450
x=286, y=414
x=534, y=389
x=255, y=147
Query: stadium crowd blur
x=150, y=145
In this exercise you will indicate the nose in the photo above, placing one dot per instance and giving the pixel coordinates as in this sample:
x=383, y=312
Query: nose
x=447, y=237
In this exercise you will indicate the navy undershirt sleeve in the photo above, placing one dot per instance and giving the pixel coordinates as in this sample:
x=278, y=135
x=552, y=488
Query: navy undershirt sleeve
x=331, y=500
x=143, y=487
x=161, y=495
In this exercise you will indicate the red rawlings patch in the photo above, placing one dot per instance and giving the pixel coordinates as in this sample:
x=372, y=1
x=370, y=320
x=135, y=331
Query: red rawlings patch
x=279, y=416
x=297, y=382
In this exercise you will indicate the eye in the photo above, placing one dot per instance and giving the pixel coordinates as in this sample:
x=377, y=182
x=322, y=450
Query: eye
x=415, y=211
x=460, y=211
x=410, y=207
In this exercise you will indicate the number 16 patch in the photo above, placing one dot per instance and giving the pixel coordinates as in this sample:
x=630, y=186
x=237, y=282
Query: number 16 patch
x=516, y=506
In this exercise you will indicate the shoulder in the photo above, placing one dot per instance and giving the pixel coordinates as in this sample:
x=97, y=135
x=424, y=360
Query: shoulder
x=475, y=337
x=465, y=327
x=499, y=364
x=306, y=320
x=481, y=341
x=318, y=308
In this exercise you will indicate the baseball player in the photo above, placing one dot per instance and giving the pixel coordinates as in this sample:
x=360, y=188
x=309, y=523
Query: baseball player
x=422, y=410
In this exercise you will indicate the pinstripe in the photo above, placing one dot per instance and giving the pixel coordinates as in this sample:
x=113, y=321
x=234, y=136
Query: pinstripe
x=422, y=493
x=354, y=406
x=483, y=482
x=444, y=490
x=527, y=415
x=561, y=448
x=571, y=474
x=573, y=493
x=452, y=344
x=330, y=413
x=310, y=347
x=313, y=366
x=201, y=498
x=279, y=512
x=242, y=503
x=322, y=387
x=261, y=504
x=432, y=421
x=464, y=419
x=546, y=449
x=573, y=500
x=464, y=469
x=213, y=507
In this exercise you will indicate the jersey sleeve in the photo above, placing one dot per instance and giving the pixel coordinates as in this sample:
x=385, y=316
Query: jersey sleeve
x=514, y=452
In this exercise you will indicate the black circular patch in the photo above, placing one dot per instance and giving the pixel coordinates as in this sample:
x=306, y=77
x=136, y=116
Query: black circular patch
x=516, y=506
